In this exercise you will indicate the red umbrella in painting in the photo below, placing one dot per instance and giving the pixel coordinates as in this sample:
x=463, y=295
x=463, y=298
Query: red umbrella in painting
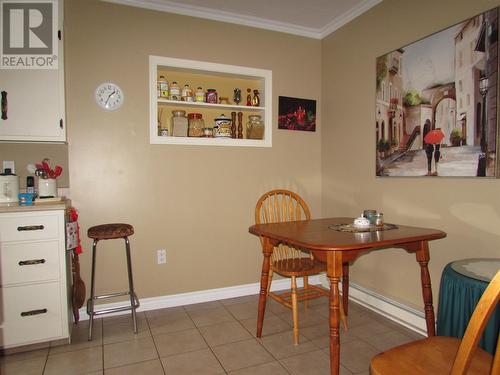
x=434, y=137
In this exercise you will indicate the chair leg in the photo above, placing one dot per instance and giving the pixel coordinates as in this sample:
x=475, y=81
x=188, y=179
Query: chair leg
x=343, y=317
x=131, y=283
x=295, y=312
x=269, y=280
x=90, y=302
x=306, y=287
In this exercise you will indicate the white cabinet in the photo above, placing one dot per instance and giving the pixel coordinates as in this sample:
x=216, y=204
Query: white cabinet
x=224, y=78
x=33, y=278
x=35, y=102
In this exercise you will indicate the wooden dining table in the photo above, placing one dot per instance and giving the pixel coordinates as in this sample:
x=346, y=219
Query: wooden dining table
x=337, y=248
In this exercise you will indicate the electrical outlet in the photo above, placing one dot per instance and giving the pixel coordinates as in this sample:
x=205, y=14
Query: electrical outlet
x=162, y=256
x=9, y=164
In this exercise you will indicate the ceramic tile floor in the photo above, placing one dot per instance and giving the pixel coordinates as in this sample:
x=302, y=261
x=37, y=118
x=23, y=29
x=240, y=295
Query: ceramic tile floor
x=214, y=338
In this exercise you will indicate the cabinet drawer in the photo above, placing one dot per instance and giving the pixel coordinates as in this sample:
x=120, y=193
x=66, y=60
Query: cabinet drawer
x=19, y=227
x=29, y=261
x=31, y=313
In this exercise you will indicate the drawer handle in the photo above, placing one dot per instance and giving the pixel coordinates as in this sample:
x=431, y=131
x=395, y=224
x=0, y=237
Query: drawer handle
x=34, y=312
x=30, y=227
x=31, y=262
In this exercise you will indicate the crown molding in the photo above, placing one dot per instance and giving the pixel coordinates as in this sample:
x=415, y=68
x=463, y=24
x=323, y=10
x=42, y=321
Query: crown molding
x=347, y=17
x=222, y=16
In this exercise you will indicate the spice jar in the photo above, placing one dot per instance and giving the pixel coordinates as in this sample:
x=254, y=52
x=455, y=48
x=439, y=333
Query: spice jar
x=175, y=91
x=200, y=95
x=222, y=128
x=379, y=219
x=211, y=96
x=187, y=94
x=196, y=125
x=162, y=87
x=256, y=98
x=255, y=127
x=179, y=124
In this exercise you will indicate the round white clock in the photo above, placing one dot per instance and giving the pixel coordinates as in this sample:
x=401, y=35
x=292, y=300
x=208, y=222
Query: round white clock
x=109, y=96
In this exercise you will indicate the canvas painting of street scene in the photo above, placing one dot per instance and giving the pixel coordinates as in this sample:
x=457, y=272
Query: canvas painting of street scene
x=436, y=103
x=296, y=114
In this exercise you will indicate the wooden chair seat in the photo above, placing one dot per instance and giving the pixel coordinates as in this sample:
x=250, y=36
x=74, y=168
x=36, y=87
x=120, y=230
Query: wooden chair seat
x=441, y=355
x=298, y=267
x=432, y=355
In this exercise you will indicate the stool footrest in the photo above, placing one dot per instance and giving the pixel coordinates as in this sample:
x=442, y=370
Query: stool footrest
x=90, y=305
x=111, y=295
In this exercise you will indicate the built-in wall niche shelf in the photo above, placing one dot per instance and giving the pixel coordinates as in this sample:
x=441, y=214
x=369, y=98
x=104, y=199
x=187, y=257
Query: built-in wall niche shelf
x=224, y=78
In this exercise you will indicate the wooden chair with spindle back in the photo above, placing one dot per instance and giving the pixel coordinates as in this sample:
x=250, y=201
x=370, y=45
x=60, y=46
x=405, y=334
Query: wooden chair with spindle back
x=282, y=206
x=440, y=355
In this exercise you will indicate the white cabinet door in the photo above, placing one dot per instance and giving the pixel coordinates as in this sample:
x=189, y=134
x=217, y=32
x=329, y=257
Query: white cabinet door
x=34, y=109
x=35, y=101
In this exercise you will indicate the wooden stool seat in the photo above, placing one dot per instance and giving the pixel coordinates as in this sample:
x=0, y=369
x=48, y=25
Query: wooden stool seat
x=110, y=231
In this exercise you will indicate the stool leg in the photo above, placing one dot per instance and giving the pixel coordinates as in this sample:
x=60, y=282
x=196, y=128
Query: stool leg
x=90, y=302
x=131, y=283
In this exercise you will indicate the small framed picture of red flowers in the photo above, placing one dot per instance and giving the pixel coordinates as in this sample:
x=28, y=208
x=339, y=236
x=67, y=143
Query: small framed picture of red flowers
x=297, y=114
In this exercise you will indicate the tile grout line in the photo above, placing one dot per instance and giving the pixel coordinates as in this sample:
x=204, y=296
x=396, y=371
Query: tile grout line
x=154, y=343
x=259, y=341
x=203, y=337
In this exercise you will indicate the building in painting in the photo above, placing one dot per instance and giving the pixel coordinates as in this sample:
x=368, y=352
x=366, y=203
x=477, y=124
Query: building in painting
x=417, y=122
x=442, y=99
x=469, y=63
x=389, y=110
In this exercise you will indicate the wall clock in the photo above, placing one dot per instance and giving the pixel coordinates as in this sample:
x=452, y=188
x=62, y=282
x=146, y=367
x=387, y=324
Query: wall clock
x=109, y=96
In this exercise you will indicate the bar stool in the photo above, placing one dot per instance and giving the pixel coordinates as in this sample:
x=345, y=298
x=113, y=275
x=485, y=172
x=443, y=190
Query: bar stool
x=109, y=232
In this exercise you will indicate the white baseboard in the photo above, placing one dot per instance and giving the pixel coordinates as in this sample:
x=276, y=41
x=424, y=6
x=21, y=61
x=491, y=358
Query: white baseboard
x=402, y=314
x=393, y=310
x=161, y=302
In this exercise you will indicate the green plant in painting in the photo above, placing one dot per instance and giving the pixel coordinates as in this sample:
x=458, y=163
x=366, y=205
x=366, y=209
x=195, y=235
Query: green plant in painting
x=456, y=137
x=381, y=70
x=383, y=145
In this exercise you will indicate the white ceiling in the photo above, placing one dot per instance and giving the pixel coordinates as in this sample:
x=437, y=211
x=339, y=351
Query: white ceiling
x=310, y=18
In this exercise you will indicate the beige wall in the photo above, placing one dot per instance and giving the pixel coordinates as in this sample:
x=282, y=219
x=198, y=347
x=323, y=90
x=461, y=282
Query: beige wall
x=197, y=202
x=467, y=209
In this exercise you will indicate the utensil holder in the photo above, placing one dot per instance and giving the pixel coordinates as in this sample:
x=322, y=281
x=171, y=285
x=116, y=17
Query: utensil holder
x=47, y=188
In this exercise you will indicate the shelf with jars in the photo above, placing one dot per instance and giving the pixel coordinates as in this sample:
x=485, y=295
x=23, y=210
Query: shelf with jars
x=202, y=103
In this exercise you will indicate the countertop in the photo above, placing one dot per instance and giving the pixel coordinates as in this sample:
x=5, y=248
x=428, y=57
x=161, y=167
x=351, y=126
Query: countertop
x=46, y=206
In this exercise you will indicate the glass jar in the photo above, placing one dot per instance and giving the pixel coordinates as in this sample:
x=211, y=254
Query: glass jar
x=256, y=98
x=175, y=91
x=187, y=94
x=179, y=123
x=255, y=127
x=200, y=95
x=211, y=96
x=162, y=87
x=196, y=125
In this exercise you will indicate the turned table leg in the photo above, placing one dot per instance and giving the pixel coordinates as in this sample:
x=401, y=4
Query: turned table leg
x=267, y=249
x=345, y=287
x=334, y=272
x=423, y=257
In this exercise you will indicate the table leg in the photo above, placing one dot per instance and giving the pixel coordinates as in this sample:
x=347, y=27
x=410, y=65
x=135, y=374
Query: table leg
x=334, y=272
x=345, y=287
x=423, y=257
x=267, y=249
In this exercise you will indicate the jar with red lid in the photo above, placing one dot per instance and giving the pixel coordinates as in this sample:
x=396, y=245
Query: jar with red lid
x=196, y=125
x=211, y=96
